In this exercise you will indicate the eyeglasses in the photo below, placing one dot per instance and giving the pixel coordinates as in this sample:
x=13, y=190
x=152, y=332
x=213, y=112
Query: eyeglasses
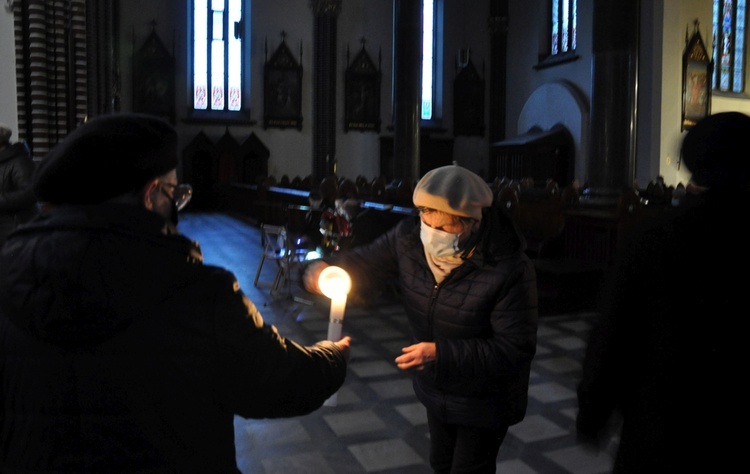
x=181, y=193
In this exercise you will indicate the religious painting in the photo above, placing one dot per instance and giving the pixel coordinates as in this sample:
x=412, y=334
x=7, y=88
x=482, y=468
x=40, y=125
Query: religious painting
x=362, y=94
x=282, y=97
x=154, y=79
x=468, y=100
x=696, y=81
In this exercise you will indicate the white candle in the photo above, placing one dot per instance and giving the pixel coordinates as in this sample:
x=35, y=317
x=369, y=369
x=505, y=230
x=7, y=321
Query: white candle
x=336, y=318
x=335, y=283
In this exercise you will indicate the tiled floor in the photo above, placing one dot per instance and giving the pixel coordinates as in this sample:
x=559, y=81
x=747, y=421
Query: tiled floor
x=376, y=424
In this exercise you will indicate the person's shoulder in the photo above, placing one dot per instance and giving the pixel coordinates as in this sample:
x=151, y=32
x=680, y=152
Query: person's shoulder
x=19, y=150
x=17, y=155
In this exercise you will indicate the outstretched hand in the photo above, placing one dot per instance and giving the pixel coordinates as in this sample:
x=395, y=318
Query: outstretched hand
x=417, y=356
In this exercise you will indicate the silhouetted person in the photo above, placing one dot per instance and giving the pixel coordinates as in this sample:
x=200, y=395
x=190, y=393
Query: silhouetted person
x=662, y=363
x=120, y=351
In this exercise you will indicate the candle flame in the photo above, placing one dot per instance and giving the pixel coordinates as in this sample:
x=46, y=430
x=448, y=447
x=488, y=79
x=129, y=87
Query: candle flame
x=334, y=282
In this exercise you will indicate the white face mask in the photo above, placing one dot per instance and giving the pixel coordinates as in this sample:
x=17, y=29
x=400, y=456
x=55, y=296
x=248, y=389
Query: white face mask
x=437, y=242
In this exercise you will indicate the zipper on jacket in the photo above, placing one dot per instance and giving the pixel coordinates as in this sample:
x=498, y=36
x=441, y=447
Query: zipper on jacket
x=435, y=291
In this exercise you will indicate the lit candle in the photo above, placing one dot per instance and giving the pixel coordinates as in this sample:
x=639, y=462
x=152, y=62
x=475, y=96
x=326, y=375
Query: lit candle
x=335, y=283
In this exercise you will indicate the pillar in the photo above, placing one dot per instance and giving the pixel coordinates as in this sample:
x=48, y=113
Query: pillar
x=611, y=166
x=324, y=87
x=407, y=73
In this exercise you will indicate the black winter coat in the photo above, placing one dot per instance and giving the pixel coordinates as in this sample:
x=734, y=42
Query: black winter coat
x=483, y=318
x=17, y=201
x=121, y=352
x=666, y=352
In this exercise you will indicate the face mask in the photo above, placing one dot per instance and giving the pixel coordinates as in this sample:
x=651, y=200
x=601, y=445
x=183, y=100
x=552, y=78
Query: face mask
x=437, y=242
x=173, y=209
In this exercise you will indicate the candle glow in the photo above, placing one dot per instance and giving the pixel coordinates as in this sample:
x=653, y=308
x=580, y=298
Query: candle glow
x=335, y=283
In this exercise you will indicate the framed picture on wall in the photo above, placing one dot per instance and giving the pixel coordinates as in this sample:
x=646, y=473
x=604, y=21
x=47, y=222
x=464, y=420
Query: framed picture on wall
x=696, y=81
x=282, y=95
x=468, y=101
x=154, y=79
x=362, y=96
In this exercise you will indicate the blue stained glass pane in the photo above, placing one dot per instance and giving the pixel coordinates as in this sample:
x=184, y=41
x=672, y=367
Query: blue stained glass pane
x=574, y=19
x=715, y=42
x=739, y=48
x=565, y=37
x=555, y=47
x=428, y=41
x=200, y=57
x=725, y=54
x=564, y=22
x=234, y=58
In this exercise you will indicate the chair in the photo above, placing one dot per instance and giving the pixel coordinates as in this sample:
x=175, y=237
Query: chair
x=278, y=247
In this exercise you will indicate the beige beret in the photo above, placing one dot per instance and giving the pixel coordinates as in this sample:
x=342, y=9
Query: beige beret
x=454, y=190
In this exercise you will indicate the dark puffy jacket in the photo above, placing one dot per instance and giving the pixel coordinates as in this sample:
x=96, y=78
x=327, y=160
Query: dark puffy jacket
x=121, y=352
x=483, y=318
x=17, y=201
x=662, y=358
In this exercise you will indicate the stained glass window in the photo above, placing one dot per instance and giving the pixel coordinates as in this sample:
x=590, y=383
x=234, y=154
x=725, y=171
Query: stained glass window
x=217, y=54
x=729, y=40
x=564, y=21
x=428, y=58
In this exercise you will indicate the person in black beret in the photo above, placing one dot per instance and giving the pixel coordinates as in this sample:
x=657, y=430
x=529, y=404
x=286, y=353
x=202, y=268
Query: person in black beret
x=469, y=291
x=120, y=350
x=134, y=150
x=17, y=203
x=660, y=361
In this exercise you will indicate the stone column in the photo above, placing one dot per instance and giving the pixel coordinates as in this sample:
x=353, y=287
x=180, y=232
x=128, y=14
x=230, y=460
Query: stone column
x=498, y=27
x=407, y=85
x=611, y=166
x=325, y=14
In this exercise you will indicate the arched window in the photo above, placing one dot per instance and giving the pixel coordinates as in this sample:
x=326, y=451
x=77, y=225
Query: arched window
x=729, y=41
x=220, y=79
x=561, y=23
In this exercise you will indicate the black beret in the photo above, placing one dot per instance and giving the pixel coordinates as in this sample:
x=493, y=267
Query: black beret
x=106, y=157
x=715, y=150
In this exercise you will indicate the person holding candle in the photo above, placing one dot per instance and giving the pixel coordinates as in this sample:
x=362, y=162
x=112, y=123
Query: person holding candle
x=120, y=351
x=661, y=359
x=470, y=294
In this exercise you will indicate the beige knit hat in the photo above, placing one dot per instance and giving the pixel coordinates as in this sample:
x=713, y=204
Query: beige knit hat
x=454, y=190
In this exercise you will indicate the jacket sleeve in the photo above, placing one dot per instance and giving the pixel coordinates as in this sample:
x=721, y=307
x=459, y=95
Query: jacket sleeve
x=262, y=374
x=374, y=265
